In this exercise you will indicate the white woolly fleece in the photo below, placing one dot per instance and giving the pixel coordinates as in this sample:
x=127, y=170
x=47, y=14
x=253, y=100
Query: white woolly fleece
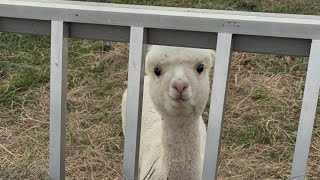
x=173, y=133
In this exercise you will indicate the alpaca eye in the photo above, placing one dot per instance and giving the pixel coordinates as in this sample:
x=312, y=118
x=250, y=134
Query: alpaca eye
x=157, y=71
x=200, y=68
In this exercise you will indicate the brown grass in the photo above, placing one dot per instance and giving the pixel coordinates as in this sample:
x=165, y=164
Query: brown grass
x=262, y=114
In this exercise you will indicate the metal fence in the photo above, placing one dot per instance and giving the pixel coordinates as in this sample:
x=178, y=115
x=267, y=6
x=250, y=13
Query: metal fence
x=225, y=31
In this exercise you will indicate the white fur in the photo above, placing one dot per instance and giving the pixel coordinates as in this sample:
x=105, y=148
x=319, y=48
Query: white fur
x=172, y=132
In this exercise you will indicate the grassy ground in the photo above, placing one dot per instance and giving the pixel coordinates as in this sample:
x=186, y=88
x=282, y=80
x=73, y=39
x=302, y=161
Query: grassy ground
x=263, y=108
x=275, y=6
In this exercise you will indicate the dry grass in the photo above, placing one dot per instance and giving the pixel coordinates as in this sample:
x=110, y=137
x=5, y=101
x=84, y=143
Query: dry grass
x=94, y=133
x=264, y=101
x=263, y=108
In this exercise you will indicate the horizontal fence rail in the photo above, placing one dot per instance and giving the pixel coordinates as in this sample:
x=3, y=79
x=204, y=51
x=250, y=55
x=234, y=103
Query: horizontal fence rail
x=225, y=31
x=172, y=37
x=295, y=26
x=168, y=26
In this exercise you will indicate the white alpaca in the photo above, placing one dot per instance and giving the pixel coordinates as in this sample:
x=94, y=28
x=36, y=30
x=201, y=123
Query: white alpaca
x=173, y=133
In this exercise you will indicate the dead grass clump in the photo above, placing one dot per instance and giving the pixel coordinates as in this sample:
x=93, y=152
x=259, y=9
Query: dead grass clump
x=263, y=109
x=94, y=132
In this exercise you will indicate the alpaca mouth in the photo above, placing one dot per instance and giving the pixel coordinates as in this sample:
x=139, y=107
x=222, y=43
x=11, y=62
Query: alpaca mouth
x=180, y=98
x=184, y=104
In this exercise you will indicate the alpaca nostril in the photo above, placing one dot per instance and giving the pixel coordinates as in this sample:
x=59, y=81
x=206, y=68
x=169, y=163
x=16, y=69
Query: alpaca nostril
x=180, y=86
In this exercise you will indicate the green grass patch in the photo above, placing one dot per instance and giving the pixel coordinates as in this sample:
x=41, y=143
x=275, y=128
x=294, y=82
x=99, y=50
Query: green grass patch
x=279, y=6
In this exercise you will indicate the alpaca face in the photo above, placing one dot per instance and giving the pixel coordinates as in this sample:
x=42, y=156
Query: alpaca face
x=179, y=79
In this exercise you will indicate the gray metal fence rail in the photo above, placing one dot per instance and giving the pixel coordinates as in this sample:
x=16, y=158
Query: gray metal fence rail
x=295, y=35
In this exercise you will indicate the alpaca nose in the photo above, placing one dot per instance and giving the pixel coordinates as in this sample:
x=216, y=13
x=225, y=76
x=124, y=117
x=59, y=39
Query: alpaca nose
x=180, y=86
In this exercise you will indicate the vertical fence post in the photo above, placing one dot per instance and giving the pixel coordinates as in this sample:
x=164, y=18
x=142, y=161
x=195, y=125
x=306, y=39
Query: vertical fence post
x=134, y=102
x=218, y=98
x=58, y=99
x=308, y=112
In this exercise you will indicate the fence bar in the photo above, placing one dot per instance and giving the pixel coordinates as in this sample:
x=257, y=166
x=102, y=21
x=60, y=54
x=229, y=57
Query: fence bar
x=134, y=102
x=196, y=39
x=218, y=97
x=307, y=116
x=260, y=24
x=58, y=99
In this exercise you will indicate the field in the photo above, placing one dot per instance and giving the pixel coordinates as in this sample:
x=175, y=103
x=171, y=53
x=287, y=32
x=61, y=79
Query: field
x=263, y=106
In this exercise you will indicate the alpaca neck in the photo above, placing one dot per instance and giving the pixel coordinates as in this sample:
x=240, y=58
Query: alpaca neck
x=181, y=148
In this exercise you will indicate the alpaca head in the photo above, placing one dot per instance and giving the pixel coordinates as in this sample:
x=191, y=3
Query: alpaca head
x=179, y=79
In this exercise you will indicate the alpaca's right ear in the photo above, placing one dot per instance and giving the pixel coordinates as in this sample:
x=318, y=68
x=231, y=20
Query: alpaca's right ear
x=212, y=56
x=148, y=47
